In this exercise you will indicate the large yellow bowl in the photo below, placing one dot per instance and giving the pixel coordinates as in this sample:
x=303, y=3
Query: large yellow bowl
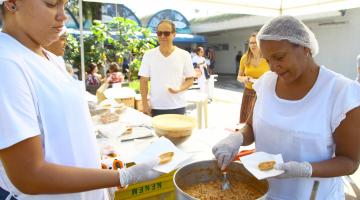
x=177, y=128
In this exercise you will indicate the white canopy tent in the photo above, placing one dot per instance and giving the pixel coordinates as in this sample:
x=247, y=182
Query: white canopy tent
x=279, y=7
x=252, y=7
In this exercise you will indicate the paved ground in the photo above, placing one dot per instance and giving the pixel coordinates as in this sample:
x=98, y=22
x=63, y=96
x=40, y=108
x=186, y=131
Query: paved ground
x=224, y=111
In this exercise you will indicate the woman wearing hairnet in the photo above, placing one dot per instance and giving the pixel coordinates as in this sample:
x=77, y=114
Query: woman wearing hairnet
x=305, y=112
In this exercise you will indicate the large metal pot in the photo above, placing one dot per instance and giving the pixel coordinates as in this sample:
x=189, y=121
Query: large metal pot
x=208, y=170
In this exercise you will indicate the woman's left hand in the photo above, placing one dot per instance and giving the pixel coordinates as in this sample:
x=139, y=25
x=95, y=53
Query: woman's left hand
x=239, y=78
x=294, y=169
x=247, y=80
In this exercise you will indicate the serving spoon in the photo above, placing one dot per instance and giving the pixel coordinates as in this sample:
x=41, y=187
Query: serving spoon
x=225, y=185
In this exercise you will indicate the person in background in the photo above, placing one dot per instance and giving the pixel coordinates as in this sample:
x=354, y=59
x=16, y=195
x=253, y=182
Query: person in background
x=212, y=56
x=70, y=70
x=170, y=72
x=199, y=63
x=192, y=52
x=252, y=66
x=48, y=147
x=305, y=112
x=93, y=79
x=115, y=76
x=101, y=69
x=237, y=61
x=358, y=68
x=125, y=66
x=58, y=47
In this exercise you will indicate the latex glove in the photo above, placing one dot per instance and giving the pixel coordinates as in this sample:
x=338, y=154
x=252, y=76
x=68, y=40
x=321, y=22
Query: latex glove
x=139, y=173
x=294, y=169
x=226, y=149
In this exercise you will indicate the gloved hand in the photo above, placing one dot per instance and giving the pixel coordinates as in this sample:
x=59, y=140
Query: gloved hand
x=138, y=173
x=294, y=169
x=226, y=149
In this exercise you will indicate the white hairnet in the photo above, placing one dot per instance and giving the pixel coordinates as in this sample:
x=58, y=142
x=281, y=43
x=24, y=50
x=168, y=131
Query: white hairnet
x=291, y=29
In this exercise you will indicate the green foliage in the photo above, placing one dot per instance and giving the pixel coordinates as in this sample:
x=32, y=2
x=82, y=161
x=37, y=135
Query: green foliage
x=94, y=43
x=134, y=68
x=120, y=38
x=73, y=6
x=135, y=85
x=72, y=52
x=132, y=42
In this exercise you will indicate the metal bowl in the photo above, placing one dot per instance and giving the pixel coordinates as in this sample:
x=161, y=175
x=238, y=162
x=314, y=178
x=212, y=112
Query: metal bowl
x=208, y=170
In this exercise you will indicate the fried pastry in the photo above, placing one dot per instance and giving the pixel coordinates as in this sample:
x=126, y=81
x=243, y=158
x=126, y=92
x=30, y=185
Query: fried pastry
x=109, y=118
x=268, y=165
x=128, y=130
x=166, y=157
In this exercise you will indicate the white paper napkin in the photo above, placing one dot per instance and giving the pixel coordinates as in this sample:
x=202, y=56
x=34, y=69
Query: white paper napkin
x=137, y=133
x=158, y=147
x=252, y=161
x=112, y=130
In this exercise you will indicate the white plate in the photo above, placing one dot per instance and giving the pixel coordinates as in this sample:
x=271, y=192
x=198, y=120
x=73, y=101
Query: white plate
x=252, y=161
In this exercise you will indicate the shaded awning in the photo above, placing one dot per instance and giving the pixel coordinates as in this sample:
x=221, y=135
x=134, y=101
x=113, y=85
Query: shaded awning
x=252, y=7
x=190, y=39
x=186, y=38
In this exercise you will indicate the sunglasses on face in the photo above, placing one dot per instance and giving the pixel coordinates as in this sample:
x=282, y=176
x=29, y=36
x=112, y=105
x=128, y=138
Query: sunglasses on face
x=165, y=33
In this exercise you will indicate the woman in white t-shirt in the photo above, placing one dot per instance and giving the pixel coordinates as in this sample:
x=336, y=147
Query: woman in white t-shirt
x=47, y=146
x=305, y=112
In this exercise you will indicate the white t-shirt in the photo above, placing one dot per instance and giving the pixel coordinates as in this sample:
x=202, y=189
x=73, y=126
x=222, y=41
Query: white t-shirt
x=302, y=130
x=166, y=72
x=38, y=97
x=202, y=82
x=201, y=62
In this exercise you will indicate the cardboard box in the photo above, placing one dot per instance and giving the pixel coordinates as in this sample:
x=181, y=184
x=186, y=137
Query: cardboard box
x=161, y=188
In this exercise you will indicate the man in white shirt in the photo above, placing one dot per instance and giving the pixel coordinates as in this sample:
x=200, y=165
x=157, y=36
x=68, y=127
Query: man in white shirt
x=170, y=72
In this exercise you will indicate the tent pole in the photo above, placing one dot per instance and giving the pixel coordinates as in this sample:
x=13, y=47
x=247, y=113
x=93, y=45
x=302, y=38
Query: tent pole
x=81, y=42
